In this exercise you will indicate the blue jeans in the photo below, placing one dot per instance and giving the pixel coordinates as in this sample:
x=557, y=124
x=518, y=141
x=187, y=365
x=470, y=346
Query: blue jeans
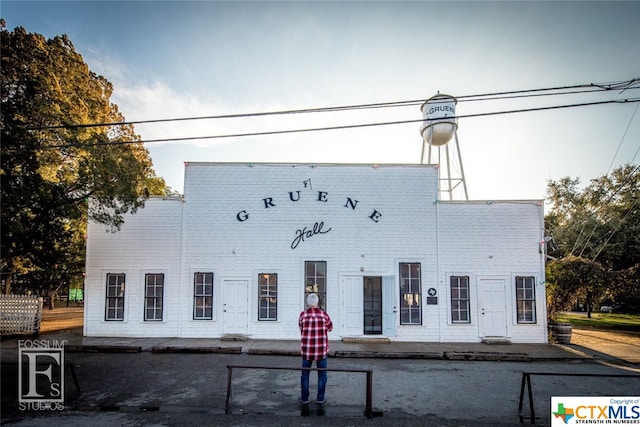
x=322, y=378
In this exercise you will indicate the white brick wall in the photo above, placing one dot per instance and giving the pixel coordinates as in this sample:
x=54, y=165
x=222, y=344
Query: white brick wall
x=203, y=234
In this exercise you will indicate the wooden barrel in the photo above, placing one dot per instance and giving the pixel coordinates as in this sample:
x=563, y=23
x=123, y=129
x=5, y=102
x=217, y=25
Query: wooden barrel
x=563, y=332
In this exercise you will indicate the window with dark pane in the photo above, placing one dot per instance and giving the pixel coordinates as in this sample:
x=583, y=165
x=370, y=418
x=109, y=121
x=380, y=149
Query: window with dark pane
x=153, y=296
x=316, y=281
x=526, y=299
x=114, y=306
x=410, y=294
x=459, y=289
x=267, y=296
x=203, y=296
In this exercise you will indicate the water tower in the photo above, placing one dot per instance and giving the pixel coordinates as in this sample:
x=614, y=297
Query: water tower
x=438, y=127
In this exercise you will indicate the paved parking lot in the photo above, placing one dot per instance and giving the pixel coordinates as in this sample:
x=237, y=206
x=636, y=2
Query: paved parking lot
x=189, y=389
x=183, y=382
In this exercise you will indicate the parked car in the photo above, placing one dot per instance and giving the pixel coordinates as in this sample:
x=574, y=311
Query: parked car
x=605, y=309
x=624, y=308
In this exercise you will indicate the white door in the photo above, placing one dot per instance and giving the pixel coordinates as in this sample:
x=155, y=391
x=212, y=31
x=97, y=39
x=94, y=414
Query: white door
x=235, y=310
x=492, y=307
x=352, y=310
x=389, y=307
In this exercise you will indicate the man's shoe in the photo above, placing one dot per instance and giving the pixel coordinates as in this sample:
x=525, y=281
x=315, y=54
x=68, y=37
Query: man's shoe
x=304, y=402
x=320, y=402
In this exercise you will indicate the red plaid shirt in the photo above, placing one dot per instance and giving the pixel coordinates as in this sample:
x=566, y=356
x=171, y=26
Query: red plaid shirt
x=314, y=326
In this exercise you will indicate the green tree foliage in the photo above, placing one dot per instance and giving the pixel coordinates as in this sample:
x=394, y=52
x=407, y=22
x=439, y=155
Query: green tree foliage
x=572, y=278
x=598, y=224
x=56, y=173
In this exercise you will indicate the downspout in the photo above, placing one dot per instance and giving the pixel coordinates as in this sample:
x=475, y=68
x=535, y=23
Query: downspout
x=437, y=202
x=84, y=278
x=182, y=252
x=543, y=281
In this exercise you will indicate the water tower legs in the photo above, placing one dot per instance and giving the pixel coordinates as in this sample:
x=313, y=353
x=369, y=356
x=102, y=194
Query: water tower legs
x=451, y=171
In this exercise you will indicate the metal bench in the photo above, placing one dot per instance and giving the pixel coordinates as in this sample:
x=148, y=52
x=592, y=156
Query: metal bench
x=526, y=383
x=369, y=412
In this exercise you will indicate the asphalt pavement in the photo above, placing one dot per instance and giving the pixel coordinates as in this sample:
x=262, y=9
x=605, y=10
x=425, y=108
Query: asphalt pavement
x=178, y=381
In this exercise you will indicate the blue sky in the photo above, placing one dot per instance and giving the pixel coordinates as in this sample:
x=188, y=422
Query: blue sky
x=185, y=59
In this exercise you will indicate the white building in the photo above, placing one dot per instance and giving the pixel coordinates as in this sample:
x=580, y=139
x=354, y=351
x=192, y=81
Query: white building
x=237, y=254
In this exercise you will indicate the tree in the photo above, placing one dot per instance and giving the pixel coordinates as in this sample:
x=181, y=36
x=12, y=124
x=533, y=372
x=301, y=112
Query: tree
x=599, y=224
x=56, y=172
x=572, y=278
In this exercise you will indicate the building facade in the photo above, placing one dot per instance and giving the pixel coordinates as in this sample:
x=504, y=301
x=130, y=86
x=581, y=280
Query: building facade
x=238, y=253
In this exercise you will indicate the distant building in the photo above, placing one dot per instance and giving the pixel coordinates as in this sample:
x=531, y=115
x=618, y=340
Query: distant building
x=238, y=253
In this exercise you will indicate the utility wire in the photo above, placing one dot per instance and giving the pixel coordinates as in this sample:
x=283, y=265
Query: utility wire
x=355, y=126
x=537, y=95
x=623, y=137
x=588, y=239
x=606, y=242
x=560, y=90
x=584, y=247
x=603, y=204
x=594, y=87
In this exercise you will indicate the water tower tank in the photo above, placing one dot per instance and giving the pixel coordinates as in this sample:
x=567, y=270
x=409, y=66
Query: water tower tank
x=439, y=123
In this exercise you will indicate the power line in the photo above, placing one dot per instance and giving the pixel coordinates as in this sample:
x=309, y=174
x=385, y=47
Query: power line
x=624, y=135
x=602, y=205
x=354, y=126
x=586, y=243
x=606, y=242
x=528, y=93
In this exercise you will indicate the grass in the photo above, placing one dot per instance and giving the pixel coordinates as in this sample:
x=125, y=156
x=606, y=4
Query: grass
x=619, y=322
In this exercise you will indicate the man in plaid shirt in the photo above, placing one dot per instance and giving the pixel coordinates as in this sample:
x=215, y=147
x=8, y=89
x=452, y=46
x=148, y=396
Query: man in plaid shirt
x=315, y=325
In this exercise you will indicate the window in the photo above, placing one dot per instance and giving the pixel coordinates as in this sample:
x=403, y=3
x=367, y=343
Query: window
x=268, y=296
x=153, y=290
x=459, y=299
x=526, y=299
x=203, y=296
x=316, y=281
x=114, y=309
x=410, y=294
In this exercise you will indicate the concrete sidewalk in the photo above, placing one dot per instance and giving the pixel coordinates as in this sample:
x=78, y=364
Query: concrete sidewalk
x=354, y=348
x=65, y=323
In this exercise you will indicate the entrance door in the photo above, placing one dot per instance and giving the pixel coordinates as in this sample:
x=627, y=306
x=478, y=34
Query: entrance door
x=491, y=297
x=389, y=307
x=351, y=314
x=372, y=301
x=235, y=309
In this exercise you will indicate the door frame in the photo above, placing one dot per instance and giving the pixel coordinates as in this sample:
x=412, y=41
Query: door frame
x=348, y=307
x=389, y=307
x=497, y=312
x=244, y=329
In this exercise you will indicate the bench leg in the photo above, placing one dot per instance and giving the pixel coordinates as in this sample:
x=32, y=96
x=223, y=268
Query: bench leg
x=227, y=405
